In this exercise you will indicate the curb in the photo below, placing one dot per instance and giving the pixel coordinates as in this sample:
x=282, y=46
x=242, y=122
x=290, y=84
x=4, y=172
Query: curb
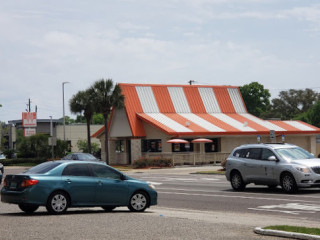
x=285, y=234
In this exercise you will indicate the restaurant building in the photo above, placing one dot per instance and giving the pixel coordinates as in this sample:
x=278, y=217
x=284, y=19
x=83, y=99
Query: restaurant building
x=212, y=119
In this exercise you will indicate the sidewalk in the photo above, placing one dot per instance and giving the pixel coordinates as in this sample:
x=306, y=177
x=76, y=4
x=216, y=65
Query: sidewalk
x=179, y=170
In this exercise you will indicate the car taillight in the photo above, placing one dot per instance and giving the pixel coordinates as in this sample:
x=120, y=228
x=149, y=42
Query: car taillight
x=5, y=183
x=29, y=182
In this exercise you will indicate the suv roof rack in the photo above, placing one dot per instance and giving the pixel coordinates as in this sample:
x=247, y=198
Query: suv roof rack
x=276, y=143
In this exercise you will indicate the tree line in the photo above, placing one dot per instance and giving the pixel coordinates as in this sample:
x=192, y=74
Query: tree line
x=291, y=104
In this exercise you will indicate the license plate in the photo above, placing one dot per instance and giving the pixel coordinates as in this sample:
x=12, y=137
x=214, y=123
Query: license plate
x=13, y=185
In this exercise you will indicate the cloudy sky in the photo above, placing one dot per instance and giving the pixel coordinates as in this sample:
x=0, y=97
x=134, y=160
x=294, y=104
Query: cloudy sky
x=214, y=42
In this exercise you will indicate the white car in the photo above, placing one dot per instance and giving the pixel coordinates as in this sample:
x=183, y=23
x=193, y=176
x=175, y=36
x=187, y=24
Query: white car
x=286, y=165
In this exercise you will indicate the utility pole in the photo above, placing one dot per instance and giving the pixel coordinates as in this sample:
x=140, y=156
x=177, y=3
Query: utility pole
x=64, y=120
x=51, y=137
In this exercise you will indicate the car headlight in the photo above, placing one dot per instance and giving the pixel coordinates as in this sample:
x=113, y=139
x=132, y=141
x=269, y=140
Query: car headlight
x=303, y=169
x=151, y=186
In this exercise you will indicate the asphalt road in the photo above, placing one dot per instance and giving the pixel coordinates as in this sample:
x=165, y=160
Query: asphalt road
x=214, y=193
x=190, y=207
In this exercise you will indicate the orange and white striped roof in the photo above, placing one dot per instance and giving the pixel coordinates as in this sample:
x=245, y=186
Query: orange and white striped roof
x=198, y=110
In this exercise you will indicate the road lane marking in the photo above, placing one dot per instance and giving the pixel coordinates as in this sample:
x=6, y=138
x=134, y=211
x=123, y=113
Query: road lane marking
x=236, y=196
x=155, y=183
x=290, y=208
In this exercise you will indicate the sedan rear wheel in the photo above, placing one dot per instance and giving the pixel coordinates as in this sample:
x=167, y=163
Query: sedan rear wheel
x=58, y=203
x=237, y=182
x=288, y=183
x=28, y=208
x=138, y=202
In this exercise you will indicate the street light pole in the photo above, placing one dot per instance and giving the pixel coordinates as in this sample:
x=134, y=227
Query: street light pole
x=64, y=120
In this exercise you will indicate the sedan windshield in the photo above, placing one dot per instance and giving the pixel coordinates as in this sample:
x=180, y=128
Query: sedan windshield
x=294, y=153
x=85, y=156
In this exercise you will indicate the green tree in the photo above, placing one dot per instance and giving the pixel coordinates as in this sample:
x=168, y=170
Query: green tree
x=106, y=97
x=83, y=146
x=83, y=102
x=34, y=146
x=291, y=104
x=255, y=97
x=311, y=116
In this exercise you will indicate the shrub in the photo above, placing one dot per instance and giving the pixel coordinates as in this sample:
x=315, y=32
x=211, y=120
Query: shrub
x=17, y=161
x=223, y=164
x=152, y=162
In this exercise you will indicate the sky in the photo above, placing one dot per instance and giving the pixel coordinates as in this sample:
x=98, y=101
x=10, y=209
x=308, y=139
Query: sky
x=213, y=42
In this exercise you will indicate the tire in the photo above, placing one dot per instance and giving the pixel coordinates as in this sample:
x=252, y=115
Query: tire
x=28, y=208
x=288, y=183
x=58, y=203
x=236, y=182
x=139, y=201
x=108, y=208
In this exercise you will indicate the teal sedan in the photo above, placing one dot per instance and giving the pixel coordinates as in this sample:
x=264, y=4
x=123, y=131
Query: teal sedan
x=58, y=185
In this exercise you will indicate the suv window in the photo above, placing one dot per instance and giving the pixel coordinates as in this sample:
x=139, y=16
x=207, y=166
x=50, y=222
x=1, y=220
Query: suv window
x=266, y=153
x=77, y=170
x=241, y=153
x=254, y=153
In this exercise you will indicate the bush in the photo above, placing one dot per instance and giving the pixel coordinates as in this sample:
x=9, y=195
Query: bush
x=223, y=164
x=17, y=161
x=152, y=162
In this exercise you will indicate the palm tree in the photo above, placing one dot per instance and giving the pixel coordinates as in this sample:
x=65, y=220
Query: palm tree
x=106, y=97
x=82, y=102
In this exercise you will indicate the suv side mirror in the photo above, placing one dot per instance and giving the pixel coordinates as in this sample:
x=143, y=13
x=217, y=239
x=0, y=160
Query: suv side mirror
x=272, y=158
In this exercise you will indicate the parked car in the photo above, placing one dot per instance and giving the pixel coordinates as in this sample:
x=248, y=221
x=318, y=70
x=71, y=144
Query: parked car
x=1, y=172
x=80, y=157
x=2, y=156
x=58, y=185
x=286, y=165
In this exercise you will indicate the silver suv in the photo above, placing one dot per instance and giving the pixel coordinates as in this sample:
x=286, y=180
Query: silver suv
x=272, y=164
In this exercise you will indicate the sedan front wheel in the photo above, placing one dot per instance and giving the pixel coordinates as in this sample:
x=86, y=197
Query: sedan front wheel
x=288, y=183
x=138, y=202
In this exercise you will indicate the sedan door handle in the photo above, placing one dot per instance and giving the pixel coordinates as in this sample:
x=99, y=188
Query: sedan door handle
x=68, y=181
x=99, y=183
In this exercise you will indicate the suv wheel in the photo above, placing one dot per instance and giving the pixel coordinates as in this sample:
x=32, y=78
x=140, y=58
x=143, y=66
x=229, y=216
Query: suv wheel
x=288, y=183
x=236, y=182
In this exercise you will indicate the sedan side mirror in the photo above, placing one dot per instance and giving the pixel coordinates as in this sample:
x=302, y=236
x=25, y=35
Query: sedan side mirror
x=272, y=158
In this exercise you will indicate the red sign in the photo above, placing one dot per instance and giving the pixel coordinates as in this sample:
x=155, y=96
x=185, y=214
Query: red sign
x=29, y=119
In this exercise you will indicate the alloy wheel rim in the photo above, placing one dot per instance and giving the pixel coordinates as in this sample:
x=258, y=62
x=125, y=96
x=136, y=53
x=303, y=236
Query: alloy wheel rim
x=236, y=180
x=59, y=203
x=287, y=183
x=138, y=201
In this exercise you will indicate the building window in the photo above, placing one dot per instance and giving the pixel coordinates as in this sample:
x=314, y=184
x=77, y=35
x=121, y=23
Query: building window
x=119, y=146
x=151, y=145
x=182, y=147
x=213, y=146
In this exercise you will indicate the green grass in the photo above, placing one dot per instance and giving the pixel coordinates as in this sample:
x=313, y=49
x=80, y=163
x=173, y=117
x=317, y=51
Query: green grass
x=210, y=172
x=295, y=229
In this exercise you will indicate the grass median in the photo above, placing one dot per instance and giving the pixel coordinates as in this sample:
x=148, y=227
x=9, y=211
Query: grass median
x=295, y=229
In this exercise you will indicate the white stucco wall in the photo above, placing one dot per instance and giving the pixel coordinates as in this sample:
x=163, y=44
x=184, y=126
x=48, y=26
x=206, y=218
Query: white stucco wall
x=77, y=132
